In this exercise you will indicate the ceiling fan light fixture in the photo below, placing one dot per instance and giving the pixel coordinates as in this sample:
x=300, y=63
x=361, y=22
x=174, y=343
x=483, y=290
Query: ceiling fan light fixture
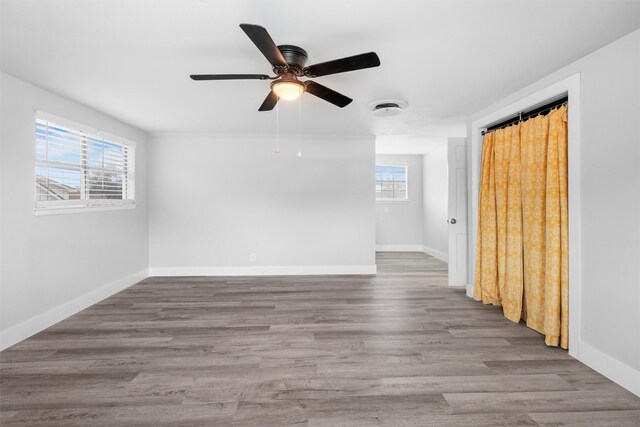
x=288, y=90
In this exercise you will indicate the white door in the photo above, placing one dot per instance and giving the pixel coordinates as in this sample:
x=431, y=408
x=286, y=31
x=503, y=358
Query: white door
x=457, y=220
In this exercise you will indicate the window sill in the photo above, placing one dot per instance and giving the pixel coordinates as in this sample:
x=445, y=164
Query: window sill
x=61, y=210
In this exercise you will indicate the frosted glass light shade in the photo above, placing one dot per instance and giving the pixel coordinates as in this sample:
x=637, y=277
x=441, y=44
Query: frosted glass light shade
x=287, y=90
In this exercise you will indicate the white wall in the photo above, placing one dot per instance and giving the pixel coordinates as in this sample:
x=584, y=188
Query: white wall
x=399, y=224
x=55, y=265
x=610, y=205
x=435, y=200
x=214, y=200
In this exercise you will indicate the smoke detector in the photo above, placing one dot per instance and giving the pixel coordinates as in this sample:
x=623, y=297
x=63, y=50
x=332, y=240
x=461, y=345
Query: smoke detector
x=387, y=107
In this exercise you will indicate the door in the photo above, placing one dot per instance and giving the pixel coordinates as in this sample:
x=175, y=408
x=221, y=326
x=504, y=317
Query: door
x=457, y=157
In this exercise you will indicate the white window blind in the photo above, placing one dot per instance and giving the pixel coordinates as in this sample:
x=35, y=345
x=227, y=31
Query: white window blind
x=76, y=166
x=391, y=182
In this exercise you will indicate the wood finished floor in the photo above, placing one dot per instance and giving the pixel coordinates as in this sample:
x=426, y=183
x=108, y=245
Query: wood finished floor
x=399, y=348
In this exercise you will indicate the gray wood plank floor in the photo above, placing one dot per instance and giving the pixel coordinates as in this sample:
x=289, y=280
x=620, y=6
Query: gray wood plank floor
x=399, y=348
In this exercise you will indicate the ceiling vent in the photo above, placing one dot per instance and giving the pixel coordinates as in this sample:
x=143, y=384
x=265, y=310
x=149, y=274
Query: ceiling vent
x=387, y=107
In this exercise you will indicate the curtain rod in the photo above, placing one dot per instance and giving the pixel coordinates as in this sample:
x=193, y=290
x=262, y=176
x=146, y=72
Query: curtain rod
x=525, y=115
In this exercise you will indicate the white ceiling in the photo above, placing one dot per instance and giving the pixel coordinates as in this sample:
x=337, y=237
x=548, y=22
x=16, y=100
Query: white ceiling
x=131, y=59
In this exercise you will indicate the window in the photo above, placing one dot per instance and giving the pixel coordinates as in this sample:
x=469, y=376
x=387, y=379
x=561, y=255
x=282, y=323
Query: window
x=79, y=167
x=391, y=182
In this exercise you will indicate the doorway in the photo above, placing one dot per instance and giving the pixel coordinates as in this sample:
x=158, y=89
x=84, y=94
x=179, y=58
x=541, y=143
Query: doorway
x=411, y=211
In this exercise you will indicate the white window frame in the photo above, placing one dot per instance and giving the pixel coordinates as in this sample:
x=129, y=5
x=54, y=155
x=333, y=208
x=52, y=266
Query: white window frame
x=406, y=174
x=54, y=207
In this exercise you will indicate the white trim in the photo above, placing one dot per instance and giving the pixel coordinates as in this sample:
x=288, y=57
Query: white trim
x=291, y=270
x=399, y=248
x=570, y=86
x=29, y=327
x=611, y=368
x=58, y=210
x=436, y=253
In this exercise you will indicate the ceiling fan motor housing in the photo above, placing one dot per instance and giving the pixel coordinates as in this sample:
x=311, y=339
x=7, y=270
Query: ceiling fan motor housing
x=296, y=58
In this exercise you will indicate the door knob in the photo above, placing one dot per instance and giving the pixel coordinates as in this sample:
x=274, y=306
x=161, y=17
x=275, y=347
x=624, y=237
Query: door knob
x=451, y=221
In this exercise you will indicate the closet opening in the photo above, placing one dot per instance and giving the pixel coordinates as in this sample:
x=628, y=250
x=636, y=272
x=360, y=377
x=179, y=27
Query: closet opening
x=530, y=115
x=522, y=260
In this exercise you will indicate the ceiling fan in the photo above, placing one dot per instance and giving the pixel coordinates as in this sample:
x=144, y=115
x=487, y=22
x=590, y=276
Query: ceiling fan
x=288, y=64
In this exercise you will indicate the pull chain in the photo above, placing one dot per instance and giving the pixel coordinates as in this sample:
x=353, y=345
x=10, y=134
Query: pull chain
x=277, y=130
x=299, y=130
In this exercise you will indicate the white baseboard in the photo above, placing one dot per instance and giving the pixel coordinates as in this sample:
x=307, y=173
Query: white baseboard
x=436, y=253
x=399, y=248
x=21, y=331
x=302, y=270
x=616, y=371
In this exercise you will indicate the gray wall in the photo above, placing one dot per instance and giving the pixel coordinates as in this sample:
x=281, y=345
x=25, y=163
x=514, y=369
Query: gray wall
x=48, y=261
x=400, y=223
x=214, y=200
x=436, y=198
x=610, y=195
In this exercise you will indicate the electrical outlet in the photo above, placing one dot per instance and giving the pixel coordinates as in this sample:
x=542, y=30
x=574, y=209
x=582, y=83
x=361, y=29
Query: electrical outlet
x=252, y=257
x=386, y=210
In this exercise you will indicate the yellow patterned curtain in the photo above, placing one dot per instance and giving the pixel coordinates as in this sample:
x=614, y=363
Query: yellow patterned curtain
x=522, y=259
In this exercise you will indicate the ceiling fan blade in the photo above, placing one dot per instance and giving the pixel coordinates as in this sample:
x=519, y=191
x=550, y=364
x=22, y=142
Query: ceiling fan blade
x=229, y=77
x=269, y=102
x=327, y=94
x=351, y=63
x=263, y=41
